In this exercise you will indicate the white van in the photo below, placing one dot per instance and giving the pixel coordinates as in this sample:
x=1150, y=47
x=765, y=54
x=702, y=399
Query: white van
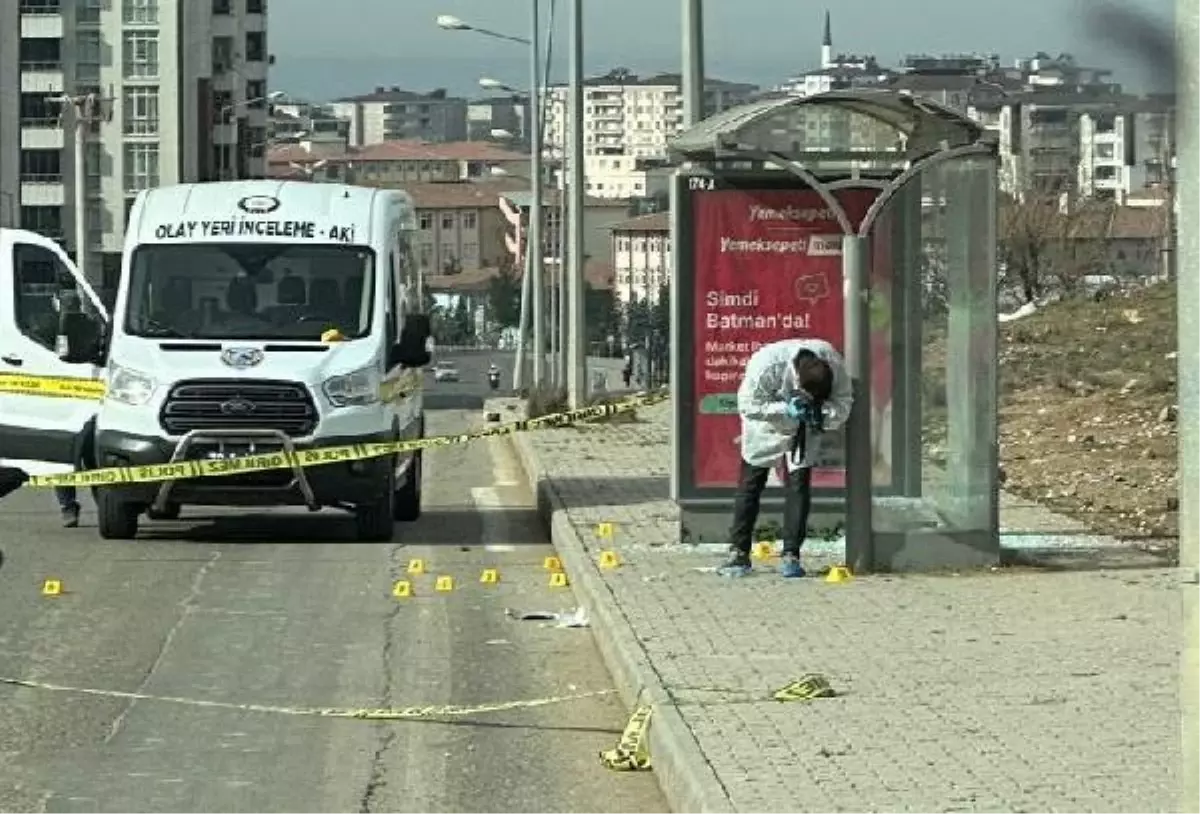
x=39, y=286
x=257, y=316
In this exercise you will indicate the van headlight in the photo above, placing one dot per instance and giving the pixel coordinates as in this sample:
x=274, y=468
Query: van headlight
x=129, y=386
x=353, y=389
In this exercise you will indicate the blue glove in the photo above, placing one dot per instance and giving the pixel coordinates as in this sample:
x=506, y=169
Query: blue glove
x=799, y=409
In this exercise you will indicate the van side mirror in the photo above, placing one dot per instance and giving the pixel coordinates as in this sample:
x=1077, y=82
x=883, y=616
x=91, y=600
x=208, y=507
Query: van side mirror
x=412, y=350
x=80, y=339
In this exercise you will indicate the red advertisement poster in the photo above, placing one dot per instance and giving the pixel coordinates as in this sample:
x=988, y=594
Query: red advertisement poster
x=768, y=266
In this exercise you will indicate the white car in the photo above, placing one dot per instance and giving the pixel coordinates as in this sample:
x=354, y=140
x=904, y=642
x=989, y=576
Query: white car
x=445, y=372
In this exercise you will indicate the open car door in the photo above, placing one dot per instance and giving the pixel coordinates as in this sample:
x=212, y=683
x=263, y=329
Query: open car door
x=42, y=432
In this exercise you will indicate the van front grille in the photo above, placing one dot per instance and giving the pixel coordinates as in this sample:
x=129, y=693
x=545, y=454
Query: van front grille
x=232, y=404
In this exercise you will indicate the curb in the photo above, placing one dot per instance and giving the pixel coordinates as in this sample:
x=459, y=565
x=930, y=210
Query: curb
x=686, y=778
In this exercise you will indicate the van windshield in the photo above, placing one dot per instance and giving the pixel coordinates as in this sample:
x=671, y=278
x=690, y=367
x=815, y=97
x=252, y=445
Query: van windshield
x=250, y=291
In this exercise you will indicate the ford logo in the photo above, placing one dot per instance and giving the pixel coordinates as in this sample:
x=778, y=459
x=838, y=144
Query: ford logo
x=237, y=407
x=241, y=358
x=258, y=204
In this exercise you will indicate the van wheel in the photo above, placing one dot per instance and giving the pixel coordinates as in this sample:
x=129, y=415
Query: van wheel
x=172, y=512
x=373, y=521
x=408, y=499
x=117, y=519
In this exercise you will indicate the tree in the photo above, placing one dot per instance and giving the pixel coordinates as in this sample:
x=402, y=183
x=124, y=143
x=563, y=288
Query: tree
x=464, y=324
x=504, y=298
x=639, y=321
x=600, y=314
x=1048, y=242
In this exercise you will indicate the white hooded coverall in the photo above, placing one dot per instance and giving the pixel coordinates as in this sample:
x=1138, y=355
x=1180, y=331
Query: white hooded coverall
x=767, y=385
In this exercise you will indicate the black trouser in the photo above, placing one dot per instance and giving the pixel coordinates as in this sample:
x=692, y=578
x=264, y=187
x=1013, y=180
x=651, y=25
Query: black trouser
x=796, y=506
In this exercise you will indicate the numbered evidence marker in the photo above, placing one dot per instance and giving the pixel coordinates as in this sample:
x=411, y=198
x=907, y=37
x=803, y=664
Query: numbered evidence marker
x=416, y=567
x=552, y=564
x=402, y=589
x=444, y=584
x=763, y=550
x=52, y=587
x=604, y=530
x=609, y=559
x=490, y=576
x=558, y=580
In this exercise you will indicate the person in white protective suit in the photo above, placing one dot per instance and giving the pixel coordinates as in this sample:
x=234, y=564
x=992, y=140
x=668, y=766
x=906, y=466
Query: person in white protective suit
x=793, y=391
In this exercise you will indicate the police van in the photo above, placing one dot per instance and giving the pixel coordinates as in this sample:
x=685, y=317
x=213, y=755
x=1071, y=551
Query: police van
x=256, y=317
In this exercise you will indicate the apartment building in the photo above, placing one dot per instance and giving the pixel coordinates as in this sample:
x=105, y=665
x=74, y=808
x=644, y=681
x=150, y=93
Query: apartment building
x=492, y=113
x=181, y=86
x=641, y=257
x=393, y=114
x=631, y=116
x=460, y=228
x=293, y=120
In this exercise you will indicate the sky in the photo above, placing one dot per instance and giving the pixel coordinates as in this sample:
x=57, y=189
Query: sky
x=330, y=48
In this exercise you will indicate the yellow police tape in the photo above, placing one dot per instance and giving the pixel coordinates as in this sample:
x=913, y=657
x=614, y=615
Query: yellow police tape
x=360, y=714
x=632, y=752
x=53, y=386
x=320, y=456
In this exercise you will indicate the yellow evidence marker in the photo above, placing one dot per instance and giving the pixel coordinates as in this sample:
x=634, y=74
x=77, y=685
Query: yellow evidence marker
x=402, y=589
x=52, y=587
x=416, y=567
x=604, y=530
x=552, y=564
x=490, y=576
x=444, y=584
x=558, y=580
x=609, y=559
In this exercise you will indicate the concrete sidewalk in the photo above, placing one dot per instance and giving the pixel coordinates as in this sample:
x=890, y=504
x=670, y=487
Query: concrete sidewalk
x=1014, y=690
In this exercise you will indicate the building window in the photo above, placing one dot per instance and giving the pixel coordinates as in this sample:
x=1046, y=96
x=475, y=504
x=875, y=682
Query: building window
x=469, y=220
x=425, y=256
x=41, y=166
x=256, y=46
x=448, y=220
x=141, y=111
x=140, y=12
x=256, y=94
x=425, y=220
x=141, y=55
x=470, y=254
x=141, y=167
x=256, y=6
x=222, y=53
x=222, y=7
x=87, y=56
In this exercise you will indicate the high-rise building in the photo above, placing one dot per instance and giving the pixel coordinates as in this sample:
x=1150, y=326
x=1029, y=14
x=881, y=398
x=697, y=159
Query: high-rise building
x=182, y=86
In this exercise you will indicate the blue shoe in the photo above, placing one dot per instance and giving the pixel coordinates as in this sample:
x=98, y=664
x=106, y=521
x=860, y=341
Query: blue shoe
x=738, y=566
x=789, y=567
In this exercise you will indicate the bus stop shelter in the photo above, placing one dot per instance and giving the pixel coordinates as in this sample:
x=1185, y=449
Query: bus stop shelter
x=866, y=218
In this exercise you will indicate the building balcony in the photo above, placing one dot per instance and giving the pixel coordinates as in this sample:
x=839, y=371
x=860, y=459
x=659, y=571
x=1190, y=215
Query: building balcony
x=42, y=190
x=45, y=25
x=42, y=77
x=42, y=134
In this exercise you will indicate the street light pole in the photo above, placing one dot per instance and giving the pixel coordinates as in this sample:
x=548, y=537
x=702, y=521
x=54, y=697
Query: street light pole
x=693, y=62
x=576, y=345
x=535, y=244
x=86, y=110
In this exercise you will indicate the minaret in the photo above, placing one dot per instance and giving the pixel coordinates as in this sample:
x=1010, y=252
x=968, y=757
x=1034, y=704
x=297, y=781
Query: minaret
x=827, y=44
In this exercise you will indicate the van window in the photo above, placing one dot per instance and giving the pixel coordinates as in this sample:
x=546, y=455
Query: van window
x=393, y=303
x=250, y=291
x=42, y=285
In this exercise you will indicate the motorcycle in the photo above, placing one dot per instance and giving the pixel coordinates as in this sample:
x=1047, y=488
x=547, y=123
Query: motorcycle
x=494, y=380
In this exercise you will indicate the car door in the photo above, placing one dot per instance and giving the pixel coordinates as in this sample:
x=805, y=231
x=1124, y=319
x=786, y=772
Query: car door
x=39, y=433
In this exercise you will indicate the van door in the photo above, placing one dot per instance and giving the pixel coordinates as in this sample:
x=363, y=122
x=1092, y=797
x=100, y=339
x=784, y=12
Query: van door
x=40, y=433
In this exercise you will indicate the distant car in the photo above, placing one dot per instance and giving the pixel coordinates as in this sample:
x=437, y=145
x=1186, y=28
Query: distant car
x=445, y=372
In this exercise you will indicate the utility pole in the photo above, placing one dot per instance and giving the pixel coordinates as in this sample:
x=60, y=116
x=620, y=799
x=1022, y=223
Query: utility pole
x=88, y=110
x=577, y=385
x=693, y=62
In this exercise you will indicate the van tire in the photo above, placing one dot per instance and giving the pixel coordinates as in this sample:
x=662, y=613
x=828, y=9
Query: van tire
x=408, y=498
x=117, y=519
x=373, y=522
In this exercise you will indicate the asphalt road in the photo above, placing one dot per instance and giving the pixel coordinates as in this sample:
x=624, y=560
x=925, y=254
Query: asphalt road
x=277, y=608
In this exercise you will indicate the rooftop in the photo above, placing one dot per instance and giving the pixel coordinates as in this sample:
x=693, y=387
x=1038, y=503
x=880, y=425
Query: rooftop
x=654, y=222
x=624, y=77
x=397, y=94
x=402, y=150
